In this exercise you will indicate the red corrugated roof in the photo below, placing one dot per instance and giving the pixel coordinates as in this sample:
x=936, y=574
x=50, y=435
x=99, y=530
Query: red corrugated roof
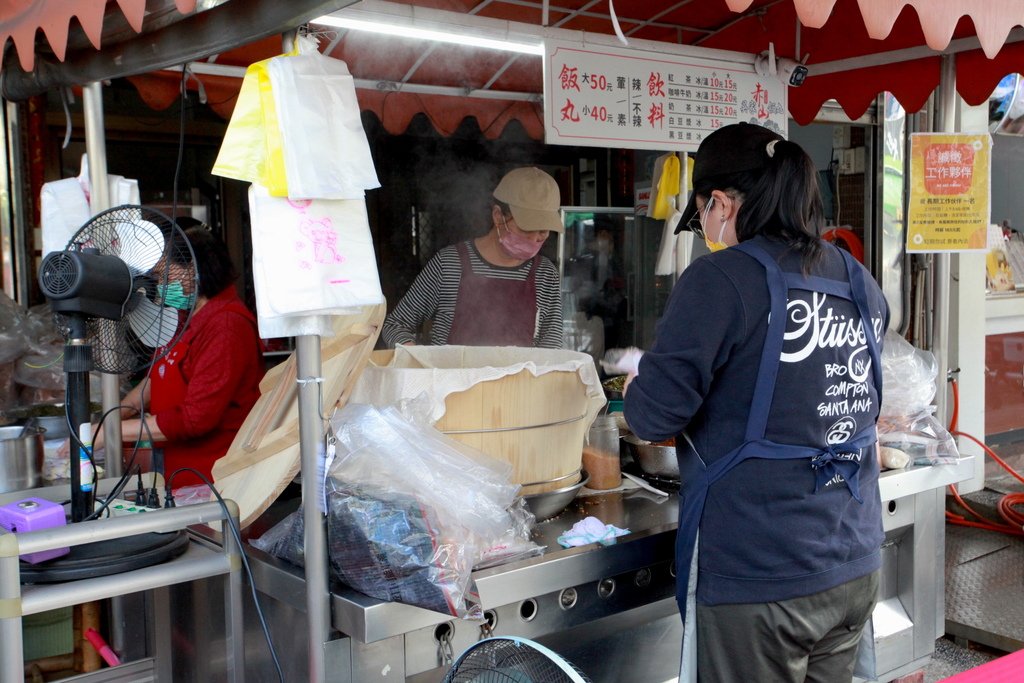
x=20, y=20
x=900, y=36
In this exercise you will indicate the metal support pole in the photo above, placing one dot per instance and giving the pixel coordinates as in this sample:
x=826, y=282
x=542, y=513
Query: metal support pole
x=99, y=200
x=946, y=123
x=311, y=432
x=235, y=622
x=110, y=385
x=11, y=662
x=318, y=604
x=13, y=236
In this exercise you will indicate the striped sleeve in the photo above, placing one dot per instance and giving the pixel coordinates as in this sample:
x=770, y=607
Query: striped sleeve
x=549, y=307
x=431, y=297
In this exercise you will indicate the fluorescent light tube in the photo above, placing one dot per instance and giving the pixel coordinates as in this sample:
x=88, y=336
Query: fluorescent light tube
x=429, y=34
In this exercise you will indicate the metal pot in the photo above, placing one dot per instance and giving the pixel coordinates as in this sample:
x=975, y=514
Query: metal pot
x=50, y=416
x=657, y=461
x=56, y=426
x=21, y=457
x=550, y=504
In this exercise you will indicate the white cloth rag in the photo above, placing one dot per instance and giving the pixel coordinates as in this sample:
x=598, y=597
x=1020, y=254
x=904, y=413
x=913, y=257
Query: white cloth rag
x=590, y=530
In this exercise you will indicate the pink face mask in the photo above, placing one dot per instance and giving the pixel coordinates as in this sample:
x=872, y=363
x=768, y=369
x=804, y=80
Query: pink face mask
x=518, y=246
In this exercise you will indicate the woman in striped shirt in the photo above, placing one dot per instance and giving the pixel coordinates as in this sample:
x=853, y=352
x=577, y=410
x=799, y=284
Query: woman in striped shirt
x=495, y=290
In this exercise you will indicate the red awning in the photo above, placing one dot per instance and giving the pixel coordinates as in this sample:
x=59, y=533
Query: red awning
x=21, y=19
x=855, y=49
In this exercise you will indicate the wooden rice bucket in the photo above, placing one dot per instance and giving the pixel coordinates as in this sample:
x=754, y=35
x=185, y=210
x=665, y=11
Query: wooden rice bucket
x=535, y=423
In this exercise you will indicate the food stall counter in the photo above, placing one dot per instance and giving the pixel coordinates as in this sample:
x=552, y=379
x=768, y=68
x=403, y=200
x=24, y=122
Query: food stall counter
x=593, y=595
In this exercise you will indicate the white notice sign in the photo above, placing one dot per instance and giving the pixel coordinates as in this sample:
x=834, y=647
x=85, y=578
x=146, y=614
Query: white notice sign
x=602, y=96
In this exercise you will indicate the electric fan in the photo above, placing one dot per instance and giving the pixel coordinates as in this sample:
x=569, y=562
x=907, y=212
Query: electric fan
x=107, y=291
x=512, y=660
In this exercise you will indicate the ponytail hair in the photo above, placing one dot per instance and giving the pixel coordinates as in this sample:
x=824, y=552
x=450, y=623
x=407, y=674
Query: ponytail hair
x=780, y=201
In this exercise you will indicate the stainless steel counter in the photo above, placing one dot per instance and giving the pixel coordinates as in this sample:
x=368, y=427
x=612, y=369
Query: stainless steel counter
x=584, y=597
x=651, y=520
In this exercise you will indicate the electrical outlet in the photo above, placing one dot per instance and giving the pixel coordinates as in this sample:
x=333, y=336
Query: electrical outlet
x=120, y=507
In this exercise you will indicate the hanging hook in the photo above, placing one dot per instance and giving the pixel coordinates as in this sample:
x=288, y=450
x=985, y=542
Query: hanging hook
x=64, y=94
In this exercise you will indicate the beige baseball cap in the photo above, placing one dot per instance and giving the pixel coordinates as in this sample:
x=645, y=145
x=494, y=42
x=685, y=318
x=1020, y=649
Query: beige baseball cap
x=533, y=197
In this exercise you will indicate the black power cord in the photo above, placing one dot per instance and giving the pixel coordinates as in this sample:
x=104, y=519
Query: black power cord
x=230, y=522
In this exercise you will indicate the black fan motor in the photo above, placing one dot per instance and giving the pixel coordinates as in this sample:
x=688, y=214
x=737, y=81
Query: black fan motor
x=86, y=283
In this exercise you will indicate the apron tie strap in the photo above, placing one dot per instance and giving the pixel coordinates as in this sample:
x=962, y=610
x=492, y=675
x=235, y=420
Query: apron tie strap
x=830, y=463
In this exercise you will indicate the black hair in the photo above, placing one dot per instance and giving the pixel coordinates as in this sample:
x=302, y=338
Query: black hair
x=215, y=270
x=506, y=210
x=780, y=201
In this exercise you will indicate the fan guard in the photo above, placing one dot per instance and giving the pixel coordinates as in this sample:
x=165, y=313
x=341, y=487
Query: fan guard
x=512, y=660
x=63, y=274
x=146, y=240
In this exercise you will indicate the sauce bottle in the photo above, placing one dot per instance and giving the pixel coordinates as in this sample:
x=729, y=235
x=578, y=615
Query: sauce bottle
x=601, y=454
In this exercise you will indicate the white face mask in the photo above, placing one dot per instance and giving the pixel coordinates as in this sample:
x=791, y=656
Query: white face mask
x=713, y=246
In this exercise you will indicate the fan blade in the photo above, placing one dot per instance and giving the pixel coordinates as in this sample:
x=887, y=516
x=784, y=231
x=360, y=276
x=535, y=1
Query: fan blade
x=155, y=325
x=140, y=244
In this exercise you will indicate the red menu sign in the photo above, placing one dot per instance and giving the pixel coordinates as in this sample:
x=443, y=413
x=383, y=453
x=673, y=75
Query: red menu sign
x=604, y=96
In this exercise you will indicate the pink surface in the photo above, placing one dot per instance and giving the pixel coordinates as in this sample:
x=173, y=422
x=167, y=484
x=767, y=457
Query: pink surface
x=1006, y=669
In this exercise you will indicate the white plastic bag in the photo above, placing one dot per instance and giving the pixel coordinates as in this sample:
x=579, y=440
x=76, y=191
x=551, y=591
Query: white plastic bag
x=326, y=155
x=63, y=210
x=310, y=258
x=64, y=205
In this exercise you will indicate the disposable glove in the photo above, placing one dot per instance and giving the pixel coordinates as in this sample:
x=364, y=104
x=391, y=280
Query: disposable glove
x=622, y=361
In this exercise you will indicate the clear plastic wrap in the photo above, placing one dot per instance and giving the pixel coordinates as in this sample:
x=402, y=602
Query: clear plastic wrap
x=920, y=436
x=386, y=546
x=411, y=512
x=907, y=422
x=8, y=389
x=42, y=370
x=41, y=332
x=908, y=377
x=13, y=339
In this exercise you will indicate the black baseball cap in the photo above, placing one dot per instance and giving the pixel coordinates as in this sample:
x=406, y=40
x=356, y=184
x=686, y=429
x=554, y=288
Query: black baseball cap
x=731, y=149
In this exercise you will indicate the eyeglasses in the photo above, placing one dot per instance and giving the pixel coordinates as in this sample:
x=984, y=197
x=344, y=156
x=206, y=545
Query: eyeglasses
x=694, y=226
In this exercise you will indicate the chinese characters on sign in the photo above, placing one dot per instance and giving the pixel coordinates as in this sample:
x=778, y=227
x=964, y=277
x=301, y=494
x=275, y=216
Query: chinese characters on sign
x=611, y=97
x=950, y=192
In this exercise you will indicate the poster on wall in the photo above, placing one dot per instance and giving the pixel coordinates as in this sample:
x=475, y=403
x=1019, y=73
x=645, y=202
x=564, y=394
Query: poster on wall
x=950, y=192
x=602, y=96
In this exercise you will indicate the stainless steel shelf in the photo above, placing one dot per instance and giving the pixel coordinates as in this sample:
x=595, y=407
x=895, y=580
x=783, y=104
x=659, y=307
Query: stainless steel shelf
x=200, y=560
x=197, y=562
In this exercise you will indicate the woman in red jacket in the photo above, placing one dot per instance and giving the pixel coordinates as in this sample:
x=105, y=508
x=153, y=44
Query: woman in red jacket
x=197, y=395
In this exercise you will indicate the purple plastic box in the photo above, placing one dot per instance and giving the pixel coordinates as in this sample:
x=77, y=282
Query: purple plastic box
x=33, y=514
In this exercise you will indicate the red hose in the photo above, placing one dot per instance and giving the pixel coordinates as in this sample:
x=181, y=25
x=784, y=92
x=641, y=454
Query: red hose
x=1013, y=520
x=956, y=406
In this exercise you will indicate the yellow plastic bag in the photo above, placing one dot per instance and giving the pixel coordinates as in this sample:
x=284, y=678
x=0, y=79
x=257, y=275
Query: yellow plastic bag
x=252, y=148
x=666, y=185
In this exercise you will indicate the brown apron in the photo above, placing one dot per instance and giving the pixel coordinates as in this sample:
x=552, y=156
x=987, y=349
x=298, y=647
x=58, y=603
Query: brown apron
x=494, y=312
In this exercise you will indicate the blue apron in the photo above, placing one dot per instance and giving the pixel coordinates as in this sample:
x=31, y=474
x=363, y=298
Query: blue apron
x=696, y=476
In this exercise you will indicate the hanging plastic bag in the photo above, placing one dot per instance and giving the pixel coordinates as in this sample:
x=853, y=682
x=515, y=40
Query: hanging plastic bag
x=326, y=154
x=252, y=146
x=63, y=210
x=674, y=252
x=666, y=186
x=311, y=257
x=64, y=205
